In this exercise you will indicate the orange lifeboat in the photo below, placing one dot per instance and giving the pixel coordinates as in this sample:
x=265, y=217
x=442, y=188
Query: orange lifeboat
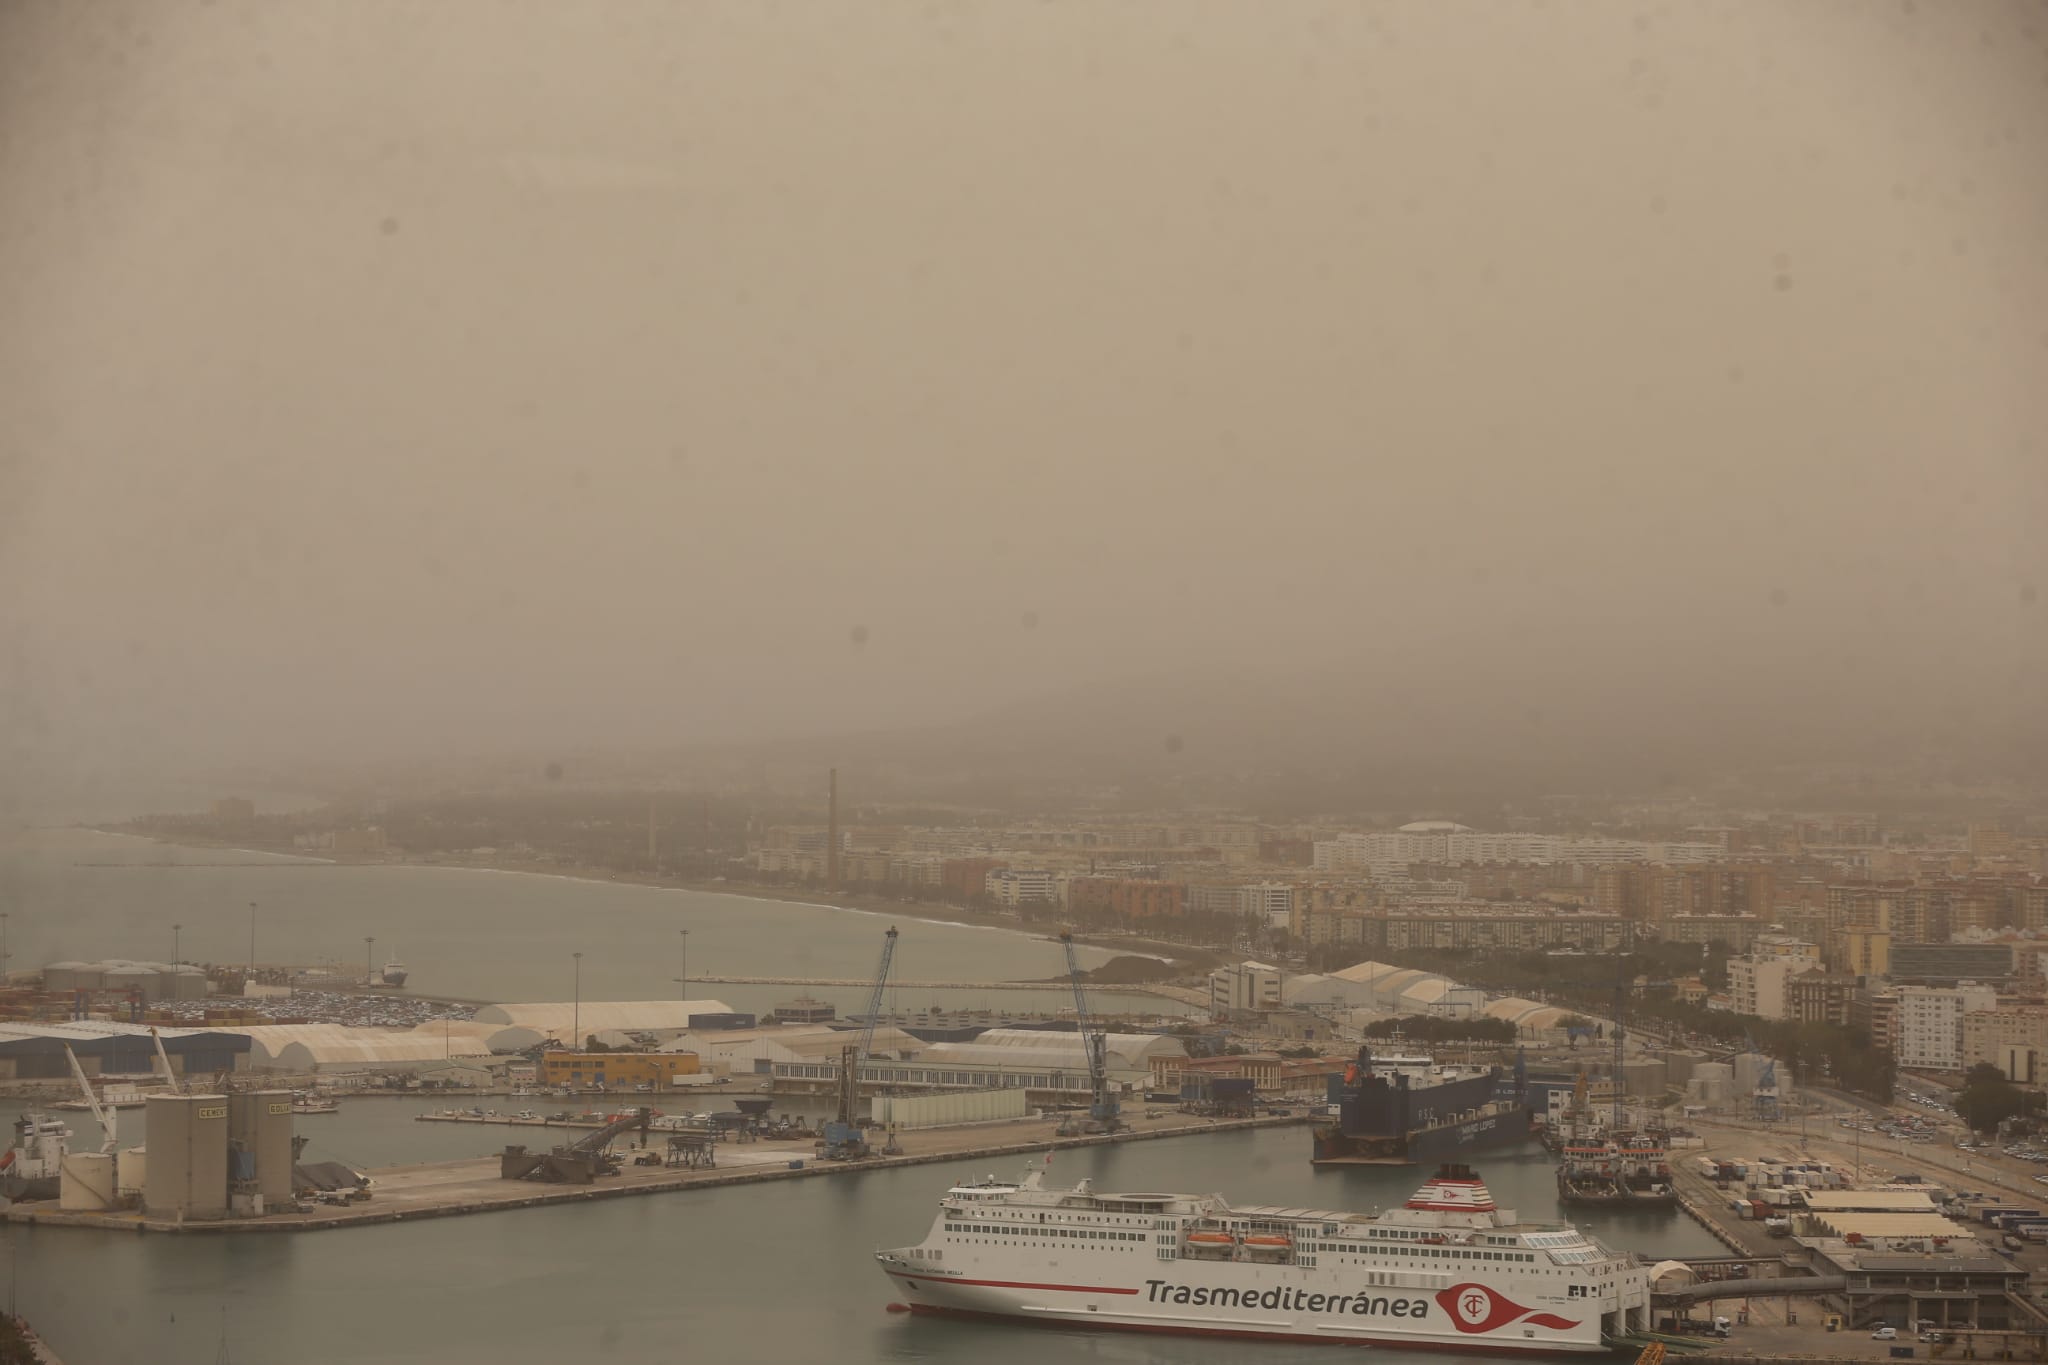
x=1268, y=1243
x=1210, y=1239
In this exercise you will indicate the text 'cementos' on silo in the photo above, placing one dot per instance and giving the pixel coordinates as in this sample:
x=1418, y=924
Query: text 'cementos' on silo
x=260, y=1123
x=187, y=1174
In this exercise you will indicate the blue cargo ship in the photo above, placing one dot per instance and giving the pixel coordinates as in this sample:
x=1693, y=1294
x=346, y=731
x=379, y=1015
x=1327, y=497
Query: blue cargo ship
x=1399, y=1111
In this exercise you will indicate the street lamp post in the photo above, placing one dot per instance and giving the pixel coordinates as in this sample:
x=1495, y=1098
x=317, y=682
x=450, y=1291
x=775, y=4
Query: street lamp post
x=576, y=1010
x=175, y=930
x=252, y=940
x=369, y=956
x=684, y=979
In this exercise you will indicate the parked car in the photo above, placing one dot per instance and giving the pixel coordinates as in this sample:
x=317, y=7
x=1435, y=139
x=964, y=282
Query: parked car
x=1885, y=1334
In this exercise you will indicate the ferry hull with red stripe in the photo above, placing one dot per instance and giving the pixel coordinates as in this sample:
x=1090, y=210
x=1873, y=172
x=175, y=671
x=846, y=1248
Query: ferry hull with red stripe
x=1095, y=1324
x=1448, y=1270
x=1074, y=1301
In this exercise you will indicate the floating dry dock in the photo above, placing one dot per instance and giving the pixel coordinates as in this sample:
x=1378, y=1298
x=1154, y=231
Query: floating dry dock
x=440, y=1189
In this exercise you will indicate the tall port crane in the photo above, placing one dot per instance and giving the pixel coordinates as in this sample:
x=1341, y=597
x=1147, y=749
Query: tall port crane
x=867, y=1032
x=107, y=1117
x=1102, y=1105
x=843, y=1141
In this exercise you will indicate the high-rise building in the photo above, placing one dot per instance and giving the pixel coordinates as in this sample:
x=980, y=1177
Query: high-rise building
x=1757, y=984
x=1866, y=952
x=1927, y=1029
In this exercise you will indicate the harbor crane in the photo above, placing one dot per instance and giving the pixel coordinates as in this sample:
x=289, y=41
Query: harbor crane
x=843, y=1140
x=1102, y=1105
x=108, y=1117
x=163, y=1060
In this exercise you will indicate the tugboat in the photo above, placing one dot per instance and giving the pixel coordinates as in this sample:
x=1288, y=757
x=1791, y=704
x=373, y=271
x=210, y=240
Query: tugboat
x=1617, y=1164
x=29, y=1170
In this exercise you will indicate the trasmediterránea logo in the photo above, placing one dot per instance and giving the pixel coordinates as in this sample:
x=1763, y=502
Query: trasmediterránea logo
x=1476, y=1308
x=1286, y=1300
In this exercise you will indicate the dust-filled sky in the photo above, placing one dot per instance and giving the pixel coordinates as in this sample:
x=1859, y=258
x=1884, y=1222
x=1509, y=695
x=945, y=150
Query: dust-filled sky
x=386, y=377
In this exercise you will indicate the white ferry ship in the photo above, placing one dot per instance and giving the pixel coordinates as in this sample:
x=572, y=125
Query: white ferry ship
x=1446, y=1270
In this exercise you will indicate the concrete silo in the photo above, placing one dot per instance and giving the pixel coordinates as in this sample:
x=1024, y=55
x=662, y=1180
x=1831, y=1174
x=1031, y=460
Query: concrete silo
x=260, y=1124
x=1716, y=1082
x=187, y=1174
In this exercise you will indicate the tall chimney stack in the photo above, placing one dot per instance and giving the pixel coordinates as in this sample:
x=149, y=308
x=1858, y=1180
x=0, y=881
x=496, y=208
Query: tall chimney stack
x=832, y=833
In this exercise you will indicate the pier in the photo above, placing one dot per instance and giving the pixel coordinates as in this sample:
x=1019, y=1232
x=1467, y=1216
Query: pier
x=443, y=1189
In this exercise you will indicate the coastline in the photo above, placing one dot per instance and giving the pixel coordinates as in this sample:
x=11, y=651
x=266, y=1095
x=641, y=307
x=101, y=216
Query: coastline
x=1188, y=960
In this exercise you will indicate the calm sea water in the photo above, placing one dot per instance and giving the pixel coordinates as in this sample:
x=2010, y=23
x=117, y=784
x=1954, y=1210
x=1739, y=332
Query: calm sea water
x=475, y=934
x=764, y=1273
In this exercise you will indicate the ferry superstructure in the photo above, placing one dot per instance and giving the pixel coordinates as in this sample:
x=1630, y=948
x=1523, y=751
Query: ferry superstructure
x=1447, y=1270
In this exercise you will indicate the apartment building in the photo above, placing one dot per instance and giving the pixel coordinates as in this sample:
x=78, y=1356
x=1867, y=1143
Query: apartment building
x=1757, y=984
x=1927, y=1027
x=1820, y=997
x=1014, y=886
x=1865, y=952
x=1987, y=1034
x=1739, y=932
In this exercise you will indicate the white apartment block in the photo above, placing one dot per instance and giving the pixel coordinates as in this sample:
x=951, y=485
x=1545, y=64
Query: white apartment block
x=1244, y=986
x=1756, y=985
x=1271, y=902
x=1025, y=886
x=1927, y=1024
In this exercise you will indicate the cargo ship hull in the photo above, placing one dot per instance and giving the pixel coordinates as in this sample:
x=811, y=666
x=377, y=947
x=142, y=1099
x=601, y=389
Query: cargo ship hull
x=1510, y=1127
x=1403, y=1111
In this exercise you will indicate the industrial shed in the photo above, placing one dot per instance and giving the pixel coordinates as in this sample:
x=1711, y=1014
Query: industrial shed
x=36, y=1051
x=1532, y=1016
x=757, y=1050
x=303, y=1048
x=1886, y=1227
x=152, y=980
x=1127, y=1055
x=559, y=1020
x=1380, y=986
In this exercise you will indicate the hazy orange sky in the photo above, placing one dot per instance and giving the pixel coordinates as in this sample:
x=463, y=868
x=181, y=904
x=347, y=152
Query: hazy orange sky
x=382, y=375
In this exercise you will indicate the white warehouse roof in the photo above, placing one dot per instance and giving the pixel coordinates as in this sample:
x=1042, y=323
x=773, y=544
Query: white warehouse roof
x=318, y=1047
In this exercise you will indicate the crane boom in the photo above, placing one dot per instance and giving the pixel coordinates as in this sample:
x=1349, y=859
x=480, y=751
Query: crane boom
x=1102, y=1106
x=170, y=1076
x=867, y=1031
x=107, y=1116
